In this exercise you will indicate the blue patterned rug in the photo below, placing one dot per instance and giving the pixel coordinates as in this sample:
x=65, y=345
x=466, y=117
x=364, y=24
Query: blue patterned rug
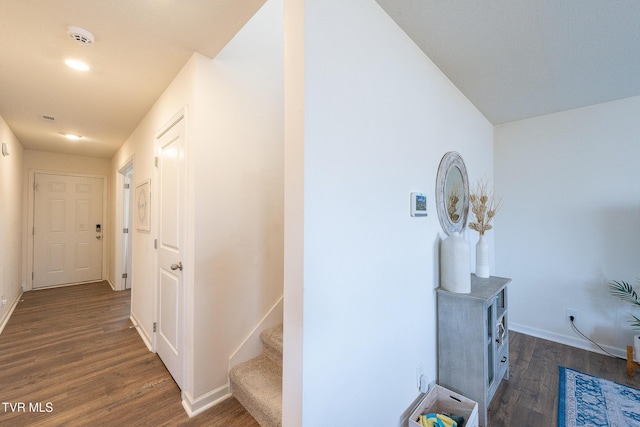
x=585, y=400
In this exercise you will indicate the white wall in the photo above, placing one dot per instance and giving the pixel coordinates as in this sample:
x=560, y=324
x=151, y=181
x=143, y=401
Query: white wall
x=378, y=117
x=11, y=220
x=54, y=162
x=571, y=219
x=293, y=275
x=235, y=191
x=237, y=169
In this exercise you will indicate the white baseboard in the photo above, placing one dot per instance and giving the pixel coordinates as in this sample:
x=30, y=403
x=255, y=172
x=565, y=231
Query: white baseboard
x=111, y=284
x=252, y=345
x=248, y=349
x=567, y=340
x=141, y=331
x=194, y=407
x=7, y=315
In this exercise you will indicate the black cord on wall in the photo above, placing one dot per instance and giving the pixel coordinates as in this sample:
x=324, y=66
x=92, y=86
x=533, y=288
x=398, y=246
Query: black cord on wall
x=575, y=328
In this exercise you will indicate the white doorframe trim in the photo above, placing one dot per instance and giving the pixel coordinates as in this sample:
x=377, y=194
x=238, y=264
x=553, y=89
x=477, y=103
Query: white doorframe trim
x=119, y=225
x=186, y=325
x=30, y=220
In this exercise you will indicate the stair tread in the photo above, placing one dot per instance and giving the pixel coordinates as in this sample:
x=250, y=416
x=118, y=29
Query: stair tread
x=260, y=381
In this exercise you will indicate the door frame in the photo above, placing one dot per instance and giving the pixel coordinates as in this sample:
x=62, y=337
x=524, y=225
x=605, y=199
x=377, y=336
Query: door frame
x=187, y=274
x=28, y=283
x=119, y=266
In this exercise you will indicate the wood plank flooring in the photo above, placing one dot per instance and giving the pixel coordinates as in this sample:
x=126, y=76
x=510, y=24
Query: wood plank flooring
x=72, y=352
x=70, y=357
x=530, y=397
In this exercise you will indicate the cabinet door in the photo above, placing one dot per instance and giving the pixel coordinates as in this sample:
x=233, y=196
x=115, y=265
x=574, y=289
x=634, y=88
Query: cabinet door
x=490, y=344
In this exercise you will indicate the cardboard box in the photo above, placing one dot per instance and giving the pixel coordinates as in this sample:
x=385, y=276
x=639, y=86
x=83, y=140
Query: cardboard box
x=443, y=401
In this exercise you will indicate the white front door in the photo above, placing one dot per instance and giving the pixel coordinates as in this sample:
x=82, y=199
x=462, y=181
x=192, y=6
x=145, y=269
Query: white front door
x=171, y=247
x=67, y=229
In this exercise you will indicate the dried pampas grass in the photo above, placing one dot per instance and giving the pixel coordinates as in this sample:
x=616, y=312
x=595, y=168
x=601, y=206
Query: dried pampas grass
x=485, y=206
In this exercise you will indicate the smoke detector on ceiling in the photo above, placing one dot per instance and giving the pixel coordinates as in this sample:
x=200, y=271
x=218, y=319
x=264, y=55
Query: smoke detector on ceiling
x=80, y=35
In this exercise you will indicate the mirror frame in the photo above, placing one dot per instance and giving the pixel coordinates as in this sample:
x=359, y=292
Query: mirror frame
x=450, y=160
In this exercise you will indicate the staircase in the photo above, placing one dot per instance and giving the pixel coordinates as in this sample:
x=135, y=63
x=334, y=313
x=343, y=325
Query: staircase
x=257, y=383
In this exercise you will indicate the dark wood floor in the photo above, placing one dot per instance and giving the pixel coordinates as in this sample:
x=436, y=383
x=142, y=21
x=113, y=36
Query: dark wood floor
x=70, y=357
x=530, y=397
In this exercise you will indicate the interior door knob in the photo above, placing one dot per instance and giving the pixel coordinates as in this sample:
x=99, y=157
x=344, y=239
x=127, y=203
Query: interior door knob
x=177, y=266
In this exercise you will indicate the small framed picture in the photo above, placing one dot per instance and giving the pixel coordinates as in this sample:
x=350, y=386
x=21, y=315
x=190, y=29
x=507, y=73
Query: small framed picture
x=142, y=205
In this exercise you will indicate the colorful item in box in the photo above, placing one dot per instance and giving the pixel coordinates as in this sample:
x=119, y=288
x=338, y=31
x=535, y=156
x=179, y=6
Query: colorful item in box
x=440, y=420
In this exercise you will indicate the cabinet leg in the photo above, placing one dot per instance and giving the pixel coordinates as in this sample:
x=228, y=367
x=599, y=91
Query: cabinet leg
x=630, y=362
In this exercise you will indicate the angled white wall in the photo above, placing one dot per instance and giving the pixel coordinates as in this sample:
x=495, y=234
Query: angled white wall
x=370, y=119
x=571, y=220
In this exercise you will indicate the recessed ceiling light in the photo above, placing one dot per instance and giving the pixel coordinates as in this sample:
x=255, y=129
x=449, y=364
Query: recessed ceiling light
x=72, y=136
x=76, y=64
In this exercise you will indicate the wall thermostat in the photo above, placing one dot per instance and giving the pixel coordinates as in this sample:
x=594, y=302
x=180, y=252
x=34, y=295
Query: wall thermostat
x=418, y=204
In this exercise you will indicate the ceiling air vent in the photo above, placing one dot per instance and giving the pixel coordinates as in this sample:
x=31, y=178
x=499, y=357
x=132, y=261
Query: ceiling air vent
x=80, y=35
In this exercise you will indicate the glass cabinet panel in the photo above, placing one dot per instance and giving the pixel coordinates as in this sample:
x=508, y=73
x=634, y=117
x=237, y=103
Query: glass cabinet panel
x=490, y=339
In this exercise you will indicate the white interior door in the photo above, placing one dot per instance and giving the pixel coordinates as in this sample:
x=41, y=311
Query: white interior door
x=171, y=247
x=67, y=229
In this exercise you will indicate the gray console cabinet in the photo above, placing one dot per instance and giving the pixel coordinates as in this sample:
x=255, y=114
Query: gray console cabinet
x=473, y=343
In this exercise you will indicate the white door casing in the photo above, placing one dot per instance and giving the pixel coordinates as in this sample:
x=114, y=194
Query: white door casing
x=68, y=229
x=170, y=275
x=123, y=240
x=127, y=229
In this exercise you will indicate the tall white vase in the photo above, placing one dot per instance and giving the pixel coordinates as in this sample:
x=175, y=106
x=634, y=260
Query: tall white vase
x=455, y=272
x=482, y=257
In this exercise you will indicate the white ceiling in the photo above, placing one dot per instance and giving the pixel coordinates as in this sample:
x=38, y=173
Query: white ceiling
x=513, y=59
x=140, y=45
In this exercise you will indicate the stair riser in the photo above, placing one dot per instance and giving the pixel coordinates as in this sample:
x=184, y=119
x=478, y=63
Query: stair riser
x=273, y=354
x=254, y=409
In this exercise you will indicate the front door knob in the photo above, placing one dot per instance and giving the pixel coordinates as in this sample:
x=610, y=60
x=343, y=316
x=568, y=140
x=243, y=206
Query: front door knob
x=177, y=266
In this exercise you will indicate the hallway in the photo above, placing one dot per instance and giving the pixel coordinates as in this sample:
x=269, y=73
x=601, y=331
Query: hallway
x=68, y=356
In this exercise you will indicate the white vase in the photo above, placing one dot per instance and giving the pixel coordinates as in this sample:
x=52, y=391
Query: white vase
x=455, y=272
x=636, y=348
x=482, y=257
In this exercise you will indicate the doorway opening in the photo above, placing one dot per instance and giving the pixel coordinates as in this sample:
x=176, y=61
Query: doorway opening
x=124, y=227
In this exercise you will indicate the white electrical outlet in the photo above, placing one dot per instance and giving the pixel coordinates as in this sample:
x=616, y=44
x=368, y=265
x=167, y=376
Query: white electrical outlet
x=419, y=374
x=424, y=384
